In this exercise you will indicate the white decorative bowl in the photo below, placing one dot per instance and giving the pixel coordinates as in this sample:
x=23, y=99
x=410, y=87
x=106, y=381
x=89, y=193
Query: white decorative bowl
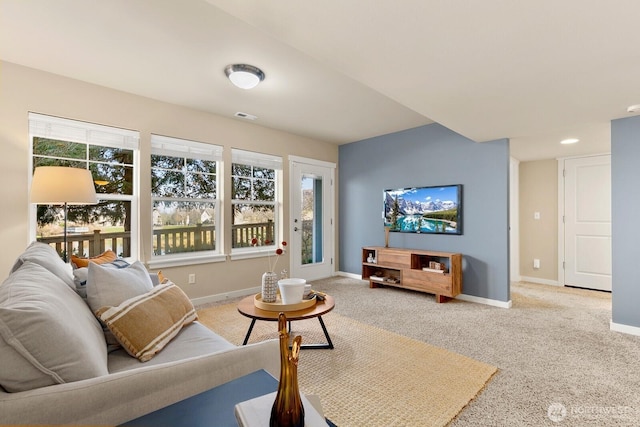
x=291, y=290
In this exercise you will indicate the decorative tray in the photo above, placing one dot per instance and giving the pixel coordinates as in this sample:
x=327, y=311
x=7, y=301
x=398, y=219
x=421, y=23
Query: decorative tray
x=279, y=306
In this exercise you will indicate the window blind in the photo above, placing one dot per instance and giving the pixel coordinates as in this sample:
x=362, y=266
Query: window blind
x=176, y=147
x=256, y=159
x=51, y=127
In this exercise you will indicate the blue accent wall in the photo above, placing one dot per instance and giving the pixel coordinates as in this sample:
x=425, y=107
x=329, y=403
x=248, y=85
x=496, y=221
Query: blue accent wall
x=625, y=220
x=430, y=155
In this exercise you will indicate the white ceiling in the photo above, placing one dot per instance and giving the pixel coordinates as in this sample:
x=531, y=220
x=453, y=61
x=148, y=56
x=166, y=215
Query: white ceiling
x=534, y=71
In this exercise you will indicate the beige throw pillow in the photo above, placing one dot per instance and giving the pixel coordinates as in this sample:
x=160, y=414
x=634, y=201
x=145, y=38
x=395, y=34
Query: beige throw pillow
x=145, y=324
x=103, y=258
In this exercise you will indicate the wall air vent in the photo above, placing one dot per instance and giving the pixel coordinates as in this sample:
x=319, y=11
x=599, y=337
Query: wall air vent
x=245, y=116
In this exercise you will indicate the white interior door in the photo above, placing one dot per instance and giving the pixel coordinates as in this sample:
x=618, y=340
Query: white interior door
x=587, y=220
x=311, y=218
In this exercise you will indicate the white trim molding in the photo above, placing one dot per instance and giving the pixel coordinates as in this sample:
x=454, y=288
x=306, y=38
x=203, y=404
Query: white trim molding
x=461, y=297
x=625, y=329
x=485, y=301
x=539, y=281
x=225, y=296
x=349, y=275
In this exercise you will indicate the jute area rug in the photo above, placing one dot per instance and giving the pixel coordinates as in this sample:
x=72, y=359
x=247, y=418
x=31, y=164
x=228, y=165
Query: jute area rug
x=372, y=377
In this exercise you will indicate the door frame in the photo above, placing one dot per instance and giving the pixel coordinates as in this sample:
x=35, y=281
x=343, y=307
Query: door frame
x=331, y=227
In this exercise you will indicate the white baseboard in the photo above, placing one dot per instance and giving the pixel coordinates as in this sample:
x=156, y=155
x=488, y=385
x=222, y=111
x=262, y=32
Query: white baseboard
x=625, y=329
x=486, y=301
x=225, y=296
x=462, y=297
x=349, y=275
x=540, y=281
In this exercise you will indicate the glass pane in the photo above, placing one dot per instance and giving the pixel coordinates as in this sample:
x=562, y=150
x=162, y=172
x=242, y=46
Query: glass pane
x=166, y=183
x=183, y=227
x=201, y=166
x=311, y=220
x=252, y=222
x=111, y=155
x=56, y=148
x=240, y=170
x=112, y=179
x=167, y=162
x=264, y=190
x=200, y=186
x=264, y=173
x=45, y=161
x=241, y=189
x=91, y=229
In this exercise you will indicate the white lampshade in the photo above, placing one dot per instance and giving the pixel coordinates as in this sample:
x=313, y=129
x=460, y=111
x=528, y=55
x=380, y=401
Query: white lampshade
x=55, y=185
x=244, y=76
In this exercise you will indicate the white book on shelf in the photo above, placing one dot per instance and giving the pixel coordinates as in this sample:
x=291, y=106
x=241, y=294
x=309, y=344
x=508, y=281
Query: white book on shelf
x=432, y=270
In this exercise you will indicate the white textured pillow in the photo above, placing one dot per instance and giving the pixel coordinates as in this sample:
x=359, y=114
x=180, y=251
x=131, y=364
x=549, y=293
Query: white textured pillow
x=48, y=335
x=47, y=257
x=145, y=324
x=110, y=286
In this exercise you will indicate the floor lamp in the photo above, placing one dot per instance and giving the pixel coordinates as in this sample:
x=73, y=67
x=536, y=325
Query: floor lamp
x=59, y=185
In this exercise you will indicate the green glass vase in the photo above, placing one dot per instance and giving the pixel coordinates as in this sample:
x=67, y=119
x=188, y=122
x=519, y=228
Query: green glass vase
x=287, y=410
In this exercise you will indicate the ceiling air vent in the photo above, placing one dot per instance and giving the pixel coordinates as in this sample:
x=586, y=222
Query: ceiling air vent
x=245, y=116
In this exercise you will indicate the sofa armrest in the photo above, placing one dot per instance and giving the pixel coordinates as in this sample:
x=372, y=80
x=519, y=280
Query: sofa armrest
x=115, y=398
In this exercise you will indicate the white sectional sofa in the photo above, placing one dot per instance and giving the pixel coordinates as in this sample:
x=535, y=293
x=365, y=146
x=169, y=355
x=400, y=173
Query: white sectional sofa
x=55, y=367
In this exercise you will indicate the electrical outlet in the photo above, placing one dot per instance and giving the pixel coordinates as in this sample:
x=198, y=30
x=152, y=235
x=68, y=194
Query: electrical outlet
x=536, y=263
x=192, y=279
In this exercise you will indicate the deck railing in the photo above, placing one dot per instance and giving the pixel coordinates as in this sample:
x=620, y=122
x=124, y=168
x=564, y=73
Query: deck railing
x=242, y=234
x=91, y=244
x=184, y=239
x=165, y=240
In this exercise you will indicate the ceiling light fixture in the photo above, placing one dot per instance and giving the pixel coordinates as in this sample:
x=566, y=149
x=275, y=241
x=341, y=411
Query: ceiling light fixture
x=244, y=76
x=569, y=141
x=633, y=108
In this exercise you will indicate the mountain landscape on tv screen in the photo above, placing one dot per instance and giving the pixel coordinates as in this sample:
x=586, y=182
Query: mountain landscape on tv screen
x=423, y=209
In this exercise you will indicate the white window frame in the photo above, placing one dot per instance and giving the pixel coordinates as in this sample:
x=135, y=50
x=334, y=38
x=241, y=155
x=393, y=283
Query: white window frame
x=184, y=148
x=51, y=127
x=269, y=161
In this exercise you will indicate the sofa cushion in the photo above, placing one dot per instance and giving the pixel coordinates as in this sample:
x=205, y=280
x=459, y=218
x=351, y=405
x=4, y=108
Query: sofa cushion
x=194, y=340
x=145, y=324
x=103, y=258
x=48, y=335
x=47, y=257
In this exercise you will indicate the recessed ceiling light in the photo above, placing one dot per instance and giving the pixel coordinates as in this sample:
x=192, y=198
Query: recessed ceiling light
x=633, y=108
x=569, y=141
x=244, y=76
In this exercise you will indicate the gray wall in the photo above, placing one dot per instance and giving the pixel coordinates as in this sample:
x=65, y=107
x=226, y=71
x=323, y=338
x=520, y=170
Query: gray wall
x=424, y=156
x=625, y=209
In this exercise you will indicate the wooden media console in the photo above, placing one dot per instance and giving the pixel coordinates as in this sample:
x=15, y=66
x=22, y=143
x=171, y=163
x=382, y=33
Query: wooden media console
x=433, y=272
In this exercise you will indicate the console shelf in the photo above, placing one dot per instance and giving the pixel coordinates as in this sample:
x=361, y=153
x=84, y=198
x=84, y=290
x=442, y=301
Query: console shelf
x=433, y=272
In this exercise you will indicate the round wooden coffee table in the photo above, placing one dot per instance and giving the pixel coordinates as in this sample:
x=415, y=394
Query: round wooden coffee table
x=247, y=308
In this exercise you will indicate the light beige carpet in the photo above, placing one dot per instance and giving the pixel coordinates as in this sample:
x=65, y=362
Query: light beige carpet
x=373, y=377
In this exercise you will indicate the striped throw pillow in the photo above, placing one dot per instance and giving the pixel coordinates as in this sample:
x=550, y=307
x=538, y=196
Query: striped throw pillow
x=145, y=324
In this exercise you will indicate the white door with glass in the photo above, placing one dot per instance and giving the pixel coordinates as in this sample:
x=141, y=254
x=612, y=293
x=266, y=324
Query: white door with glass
x=311, y=218
x=587, y=222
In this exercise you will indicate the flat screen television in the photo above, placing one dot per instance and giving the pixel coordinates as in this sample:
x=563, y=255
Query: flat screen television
x=424, y=209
